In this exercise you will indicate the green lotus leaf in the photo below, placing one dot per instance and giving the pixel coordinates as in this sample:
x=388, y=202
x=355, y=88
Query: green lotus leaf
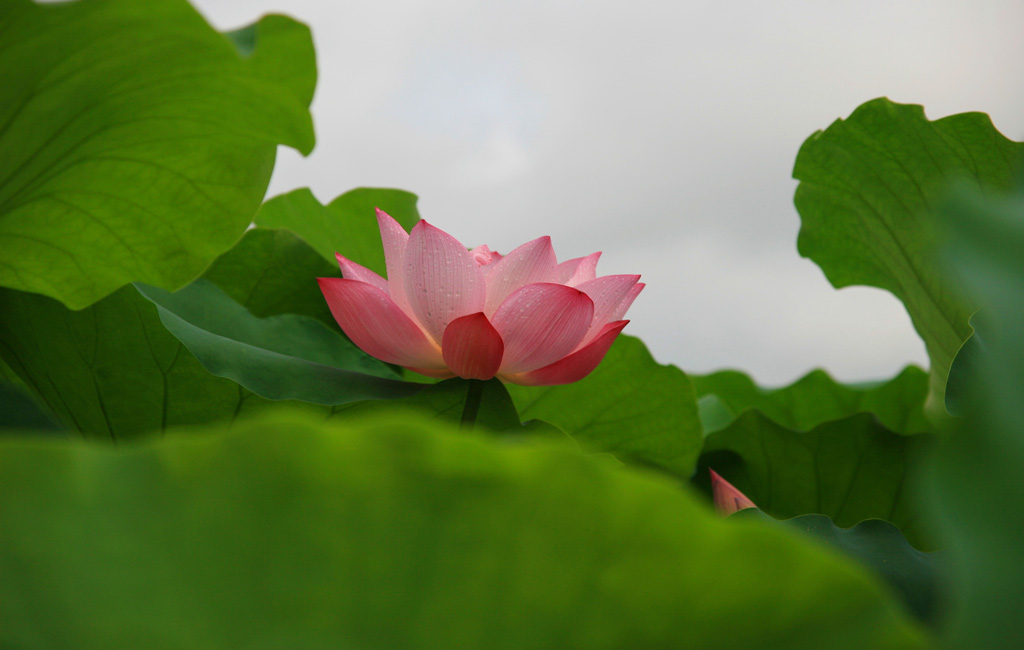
x=870, y=188
x=630, y=406
x=813, y=399
x=136, y=142
x=851, y=470
x=292, y=532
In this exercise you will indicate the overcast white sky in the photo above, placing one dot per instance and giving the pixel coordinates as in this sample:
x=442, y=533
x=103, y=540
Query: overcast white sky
x=662, y=133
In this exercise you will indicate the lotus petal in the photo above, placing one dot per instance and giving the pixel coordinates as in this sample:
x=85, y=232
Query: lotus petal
x=442, y=281
x=352, y=271
x=472, y=348
x=372, y=320
x=541, y=323
x=395, y=239
x=530, y=263
x=579, y=270
x=608, y=293
x=574, y=367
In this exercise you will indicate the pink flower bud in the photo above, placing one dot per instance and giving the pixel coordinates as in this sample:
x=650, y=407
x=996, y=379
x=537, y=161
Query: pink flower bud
x=727, y=498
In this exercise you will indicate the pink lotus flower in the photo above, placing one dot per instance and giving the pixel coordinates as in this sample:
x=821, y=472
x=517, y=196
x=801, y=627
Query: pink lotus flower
x=727, y=498
x=445, y=311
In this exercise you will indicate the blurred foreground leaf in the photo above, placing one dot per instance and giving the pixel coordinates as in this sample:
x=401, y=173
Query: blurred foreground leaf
x=630, y=406
x=869, y=190
x=979, y=503
x=391, y=533
x=880, y=546
x=136, y=142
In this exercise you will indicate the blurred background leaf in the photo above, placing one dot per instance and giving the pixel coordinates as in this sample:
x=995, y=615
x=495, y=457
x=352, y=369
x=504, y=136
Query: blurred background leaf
x=390, y=533
x=135, y=142
x=870, y=186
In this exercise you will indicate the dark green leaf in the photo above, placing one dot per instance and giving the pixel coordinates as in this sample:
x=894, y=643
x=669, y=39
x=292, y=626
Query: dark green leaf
x=869, y=189
x=348, y=225
x=135, y=143
x=273, y=272
x=814, y=399
x=851, y=469
x=281, y=357
x=112, y=371
x=964, y=366
x=395, y=533
x=881, y=547
x=631, y=406
x=19, y=410
x=979, y=504
x=445, y=401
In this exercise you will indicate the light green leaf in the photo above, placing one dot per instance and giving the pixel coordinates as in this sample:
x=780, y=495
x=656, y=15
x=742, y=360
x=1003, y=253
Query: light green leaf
x=394, y=533
x=135, y=142
x=347, y=225
x=280, y=357
x=978, y=502
x=631, y=406
x=813, y=399
x=851, y=470
x=112, y=371
x=869, y=189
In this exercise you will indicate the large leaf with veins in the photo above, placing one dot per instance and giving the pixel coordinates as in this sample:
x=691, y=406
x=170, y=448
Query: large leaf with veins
x=870, y=186
x=136, y=142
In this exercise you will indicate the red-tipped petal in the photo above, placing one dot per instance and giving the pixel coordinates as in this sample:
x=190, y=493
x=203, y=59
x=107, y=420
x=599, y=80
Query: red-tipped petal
x=375, y=323
x=574, y=367
x=727, y=498
x=352, y=271
x=530, y=263
x=394, y=238
x=442, y=281
x=541, y=323
x=577, y=271
x=472, y=348
x=607, y=292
